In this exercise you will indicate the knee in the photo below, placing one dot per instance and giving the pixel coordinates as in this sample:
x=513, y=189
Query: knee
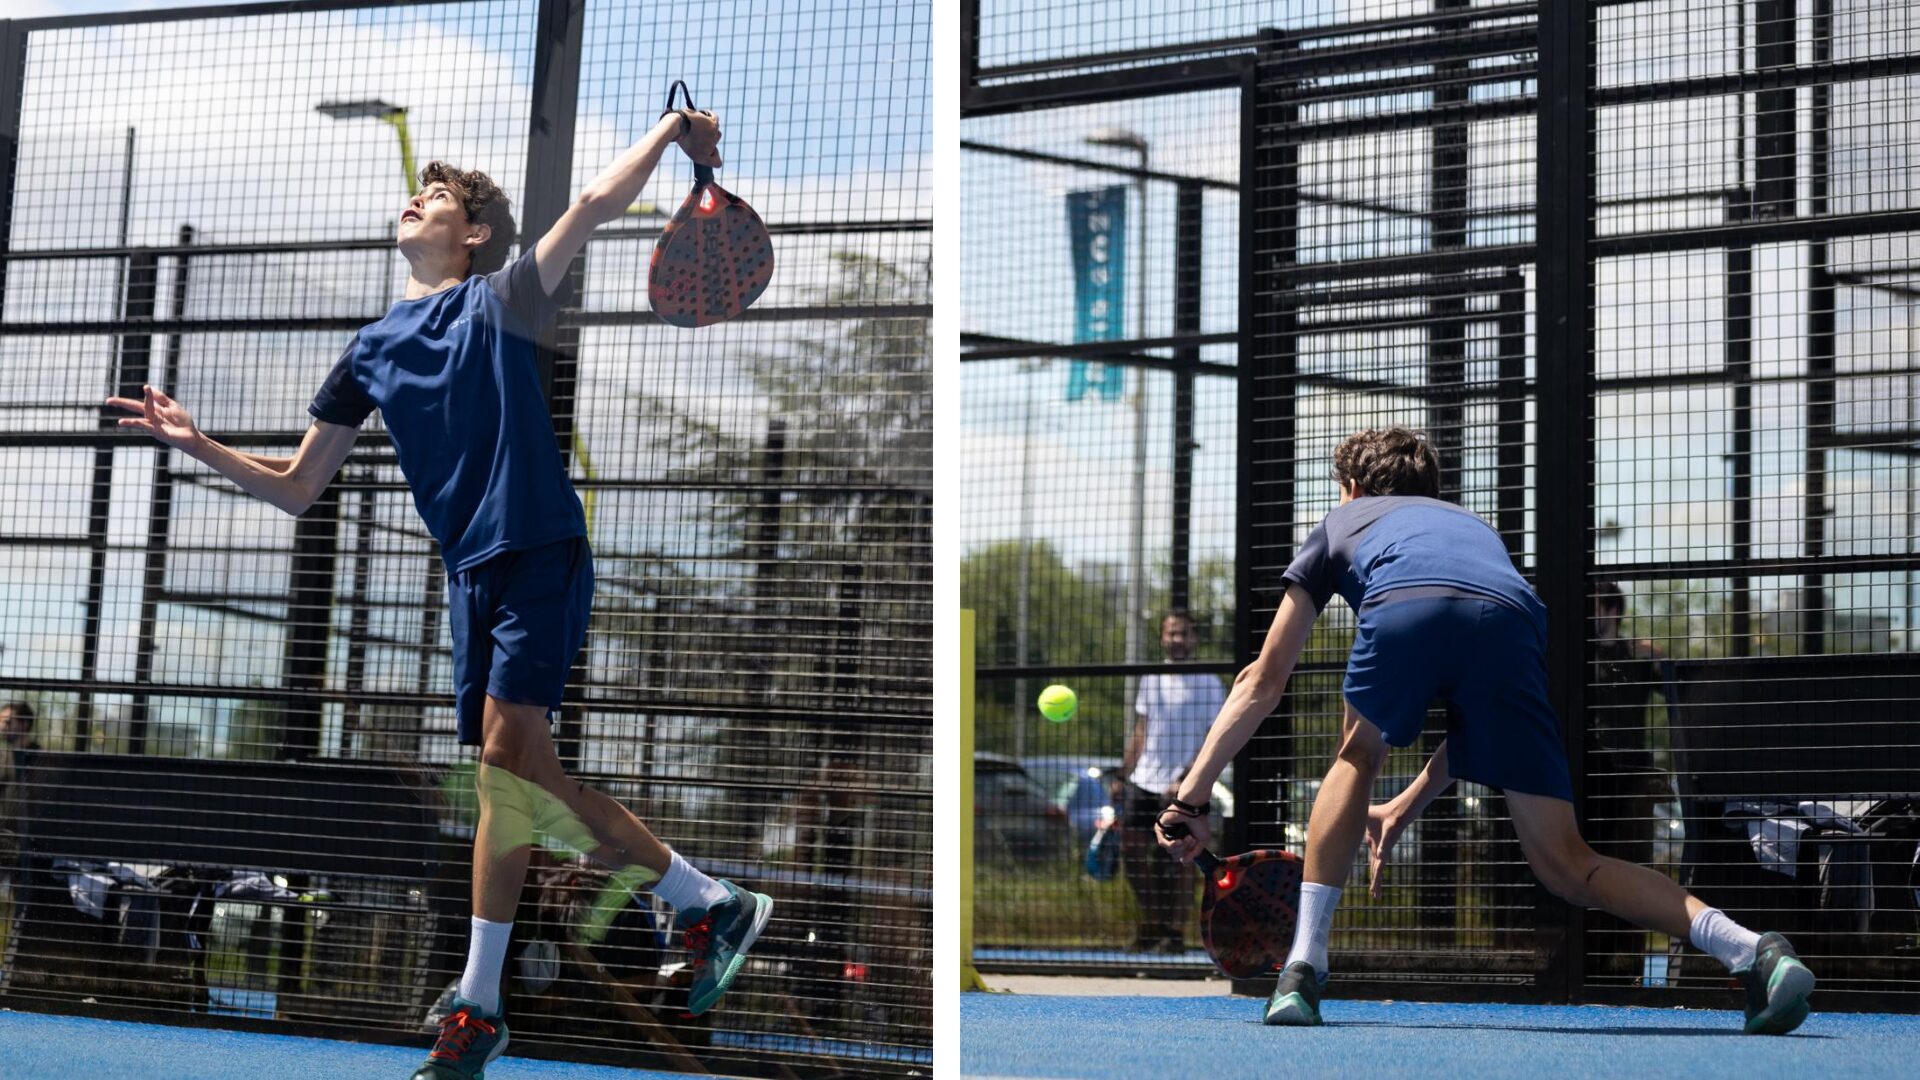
x=1363, y=748
x=503, y=752
x=1567, y=872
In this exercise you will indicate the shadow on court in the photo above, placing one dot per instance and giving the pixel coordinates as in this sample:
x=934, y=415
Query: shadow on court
x=1011, y=1035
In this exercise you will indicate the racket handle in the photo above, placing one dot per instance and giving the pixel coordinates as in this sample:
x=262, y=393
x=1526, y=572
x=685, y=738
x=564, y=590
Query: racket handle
x=702, y=175
x=1206, y=860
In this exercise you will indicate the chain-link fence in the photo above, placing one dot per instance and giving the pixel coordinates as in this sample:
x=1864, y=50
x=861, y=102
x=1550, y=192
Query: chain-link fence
x=235, y=788
x=1642, y=271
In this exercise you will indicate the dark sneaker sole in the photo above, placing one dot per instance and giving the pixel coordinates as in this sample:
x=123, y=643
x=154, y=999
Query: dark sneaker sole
x=1787, y=1005
x=1291, y=1011
x=763, y=910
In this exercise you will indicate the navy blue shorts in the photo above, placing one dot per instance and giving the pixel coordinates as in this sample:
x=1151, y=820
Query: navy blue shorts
x=518, y=621
x=1487, y=661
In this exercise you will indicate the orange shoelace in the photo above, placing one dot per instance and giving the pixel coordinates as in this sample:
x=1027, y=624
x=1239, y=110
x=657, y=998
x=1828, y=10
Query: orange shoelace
x=457, y=1033
x=698, y=936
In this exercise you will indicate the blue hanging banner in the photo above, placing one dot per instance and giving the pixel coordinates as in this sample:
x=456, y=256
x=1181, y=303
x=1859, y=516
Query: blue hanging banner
x=1097, y=223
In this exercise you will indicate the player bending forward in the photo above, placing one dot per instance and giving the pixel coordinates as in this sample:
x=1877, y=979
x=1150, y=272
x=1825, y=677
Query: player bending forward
x=1443, y=614
x=451, y=369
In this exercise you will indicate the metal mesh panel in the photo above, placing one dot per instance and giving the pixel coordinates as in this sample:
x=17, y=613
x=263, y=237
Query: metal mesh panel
x=1022, y=38
x=1754, y=478
x=1068, y=586
x=1394, y=230
x=1737, y=327
x=251, y=710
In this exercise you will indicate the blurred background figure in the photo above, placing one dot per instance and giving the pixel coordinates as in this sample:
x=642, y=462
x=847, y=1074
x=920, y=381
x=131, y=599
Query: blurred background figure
x=1171, y=715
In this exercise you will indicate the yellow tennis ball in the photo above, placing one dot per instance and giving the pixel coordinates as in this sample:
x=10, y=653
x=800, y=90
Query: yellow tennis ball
x=1058, y=704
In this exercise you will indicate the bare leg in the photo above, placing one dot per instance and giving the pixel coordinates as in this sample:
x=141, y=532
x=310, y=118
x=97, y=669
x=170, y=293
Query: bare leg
x=516, y=739
x=1339, y=820
x=1581, y=876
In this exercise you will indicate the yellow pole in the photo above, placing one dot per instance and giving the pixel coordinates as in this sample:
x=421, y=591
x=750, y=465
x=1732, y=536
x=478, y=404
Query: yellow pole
x=969, y=977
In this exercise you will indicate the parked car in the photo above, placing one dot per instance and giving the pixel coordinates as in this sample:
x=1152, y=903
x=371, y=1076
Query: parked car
x=1079, y=788
x=1013, y=815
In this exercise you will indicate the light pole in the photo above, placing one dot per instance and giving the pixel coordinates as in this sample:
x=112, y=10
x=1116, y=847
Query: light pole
x=1124, y=139
x=1021, y=604
x=394, y=116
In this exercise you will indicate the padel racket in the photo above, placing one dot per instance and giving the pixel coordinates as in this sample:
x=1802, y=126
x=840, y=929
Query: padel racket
x=1251, y=905
x=714, y=258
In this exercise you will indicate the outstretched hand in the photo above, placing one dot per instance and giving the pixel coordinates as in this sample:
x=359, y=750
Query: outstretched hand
x=701, y=142
x=159, y=416
x=1384, y=826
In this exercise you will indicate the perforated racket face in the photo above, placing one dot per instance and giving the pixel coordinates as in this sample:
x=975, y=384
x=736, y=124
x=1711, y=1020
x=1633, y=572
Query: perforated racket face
x=712, y=261
x=1246, y=920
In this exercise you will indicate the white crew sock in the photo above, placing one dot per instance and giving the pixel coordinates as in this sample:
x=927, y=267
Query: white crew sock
x=1316, y=920
x=486, y=951
x=1728, y=941
x=688, y=889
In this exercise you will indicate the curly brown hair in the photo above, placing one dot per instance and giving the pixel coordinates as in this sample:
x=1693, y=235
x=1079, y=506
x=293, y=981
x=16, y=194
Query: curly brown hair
x=485, y=204
x=1389, y=461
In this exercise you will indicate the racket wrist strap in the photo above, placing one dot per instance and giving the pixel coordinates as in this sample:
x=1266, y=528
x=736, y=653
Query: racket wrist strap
x=686, y=122
x=1189, y=809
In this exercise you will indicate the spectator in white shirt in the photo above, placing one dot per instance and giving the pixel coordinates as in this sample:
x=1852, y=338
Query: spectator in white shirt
x=1172, y=714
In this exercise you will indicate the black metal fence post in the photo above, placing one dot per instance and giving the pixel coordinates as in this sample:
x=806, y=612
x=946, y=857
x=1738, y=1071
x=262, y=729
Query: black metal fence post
x=13, y=80
x=1189, y=218
x=1269, y=184
x=550, y=130
x=1565, y=471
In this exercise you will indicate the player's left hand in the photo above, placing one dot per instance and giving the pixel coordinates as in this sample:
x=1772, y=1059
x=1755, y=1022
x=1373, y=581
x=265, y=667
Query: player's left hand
x=701, y=140
x=1384, y=826
x=1188, y=846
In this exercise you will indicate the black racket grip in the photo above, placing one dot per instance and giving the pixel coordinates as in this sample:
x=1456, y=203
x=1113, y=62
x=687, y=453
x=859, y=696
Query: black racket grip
x=1206, y=860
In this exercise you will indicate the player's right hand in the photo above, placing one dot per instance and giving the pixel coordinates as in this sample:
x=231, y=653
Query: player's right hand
x=701, y=143
x=1185, y=848
x=159, y=416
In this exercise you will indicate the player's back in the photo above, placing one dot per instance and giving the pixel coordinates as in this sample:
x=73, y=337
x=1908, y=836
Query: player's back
x=1379, y=543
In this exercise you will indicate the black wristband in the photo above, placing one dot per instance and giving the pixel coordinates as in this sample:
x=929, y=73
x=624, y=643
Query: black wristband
x=1189, y=809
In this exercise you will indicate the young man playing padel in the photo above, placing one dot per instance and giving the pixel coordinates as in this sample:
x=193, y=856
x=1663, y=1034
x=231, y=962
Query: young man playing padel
x=451, y=369
x=1443, y=614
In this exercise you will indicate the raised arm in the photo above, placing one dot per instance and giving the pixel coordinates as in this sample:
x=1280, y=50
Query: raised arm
x=291, y=484
x=607, y=196
x=1255, y=694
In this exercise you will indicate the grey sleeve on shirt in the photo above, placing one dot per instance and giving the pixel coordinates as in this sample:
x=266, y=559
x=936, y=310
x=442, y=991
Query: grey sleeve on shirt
x=1313, y=568
x=341, y=399
x=518, y=286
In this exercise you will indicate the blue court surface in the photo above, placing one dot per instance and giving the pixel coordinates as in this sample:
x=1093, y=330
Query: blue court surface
x=1014, y=1035
x=35, y=1047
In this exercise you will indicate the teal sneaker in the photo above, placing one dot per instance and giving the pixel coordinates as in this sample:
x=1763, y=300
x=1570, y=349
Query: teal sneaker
x=468, y=1040
x=719, y=938
x=1296, y=998
x=1777, y=987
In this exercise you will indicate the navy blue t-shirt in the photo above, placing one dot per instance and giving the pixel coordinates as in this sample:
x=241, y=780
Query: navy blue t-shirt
x=1378, y=543
x=453, y=375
